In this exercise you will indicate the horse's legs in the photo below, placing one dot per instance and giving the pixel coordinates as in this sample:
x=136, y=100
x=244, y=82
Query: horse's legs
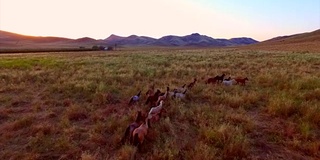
x=126, y=134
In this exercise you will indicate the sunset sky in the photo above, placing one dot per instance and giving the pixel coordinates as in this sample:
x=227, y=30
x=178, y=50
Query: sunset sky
x=259, y=19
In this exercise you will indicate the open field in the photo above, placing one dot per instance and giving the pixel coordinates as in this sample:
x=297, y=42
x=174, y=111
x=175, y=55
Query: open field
x=73, y=105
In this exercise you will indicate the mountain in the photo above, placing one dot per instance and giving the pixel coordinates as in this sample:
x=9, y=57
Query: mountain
x=85, y=40
x=132, y=40
x=113, y=37
x=243, y=41
x=309, y=41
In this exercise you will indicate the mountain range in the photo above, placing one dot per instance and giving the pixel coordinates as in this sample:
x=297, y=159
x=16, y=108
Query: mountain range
x=194, y=39
x=8, y=39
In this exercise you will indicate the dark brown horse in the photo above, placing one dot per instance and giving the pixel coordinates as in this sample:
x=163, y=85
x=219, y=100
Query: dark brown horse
x=127, y=135
x=153, y=98
x=216, y=79
x=220, y=78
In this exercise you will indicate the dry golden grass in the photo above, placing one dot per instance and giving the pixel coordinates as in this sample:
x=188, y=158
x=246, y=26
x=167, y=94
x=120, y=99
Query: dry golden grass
x=74, y=105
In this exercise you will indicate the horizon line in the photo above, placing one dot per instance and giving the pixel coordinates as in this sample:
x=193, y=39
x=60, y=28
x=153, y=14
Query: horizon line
x=52, y=36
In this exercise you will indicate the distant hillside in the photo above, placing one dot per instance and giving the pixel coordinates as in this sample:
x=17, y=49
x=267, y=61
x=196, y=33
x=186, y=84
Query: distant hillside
x=298, y=42
x=12, y=37
x=299, y=38
x=10, y=40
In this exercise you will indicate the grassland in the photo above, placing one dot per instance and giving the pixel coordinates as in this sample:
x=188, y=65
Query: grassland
x=74, y=105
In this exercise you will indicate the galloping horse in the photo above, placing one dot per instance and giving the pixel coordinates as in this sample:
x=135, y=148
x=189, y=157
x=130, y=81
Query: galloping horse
x=150, y=92
x=139, y=134
x=241, y=80
x=153, y=98
x=220, y=78
x=155, y=111
x=134, y=99
x=216, y=79
x=163, y=97
x=131, y=127
x=180, y=89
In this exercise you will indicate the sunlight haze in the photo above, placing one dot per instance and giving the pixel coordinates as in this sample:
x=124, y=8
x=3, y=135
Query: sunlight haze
x=260, y=20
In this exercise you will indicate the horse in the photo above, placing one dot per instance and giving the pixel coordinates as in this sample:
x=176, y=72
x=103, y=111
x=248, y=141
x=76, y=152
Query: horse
x=134, y=99
x=192, y=83
x=139, y=134
x=179, y=95
x=220, y=78
x=155, y=110
x=132, y=127
x=227, y=82
x=241, y=80
x=227, y=79
x=163, y=97
x=150, y=92
x=153, y=98
x=211, y=80
x=216, y=79
x=180, y=89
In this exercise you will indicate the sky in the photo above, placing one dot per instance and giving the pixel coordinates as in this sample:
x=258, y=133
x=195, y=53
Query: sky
x=258, y=19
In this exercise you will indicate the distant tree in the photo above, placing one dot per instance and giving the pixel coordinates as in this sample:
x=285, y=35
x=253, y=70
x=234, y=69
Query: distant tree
x=95, y=48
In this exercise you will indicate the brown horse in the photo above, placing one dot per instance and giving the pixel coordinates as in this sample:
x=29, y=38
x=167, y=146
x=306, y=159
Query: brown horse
x=211, y=80
x=241, y=80
x=150, y=92
x=139, y=134
x=153, y=98
x=192, y=83
x=132, y=126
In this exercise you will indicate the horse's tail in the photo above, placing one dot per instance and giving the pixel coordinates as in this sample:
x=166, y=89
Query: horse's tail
x=126, y=134
x=136, y=140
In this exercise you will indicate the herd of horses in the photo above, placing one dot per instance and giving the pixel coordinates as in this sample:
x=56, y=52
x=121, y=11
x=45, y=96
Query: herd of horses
x=136, y=132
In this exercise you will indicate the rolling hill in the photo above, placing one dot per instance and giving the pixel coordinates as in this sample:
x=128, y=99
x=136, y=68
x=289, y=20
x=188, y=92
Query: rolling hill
x=309, y=41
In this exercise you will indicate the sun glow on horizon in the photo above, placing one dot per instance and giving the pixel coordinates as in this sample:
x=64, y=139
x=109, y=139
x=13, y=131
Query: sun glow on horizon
x=100, y=18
